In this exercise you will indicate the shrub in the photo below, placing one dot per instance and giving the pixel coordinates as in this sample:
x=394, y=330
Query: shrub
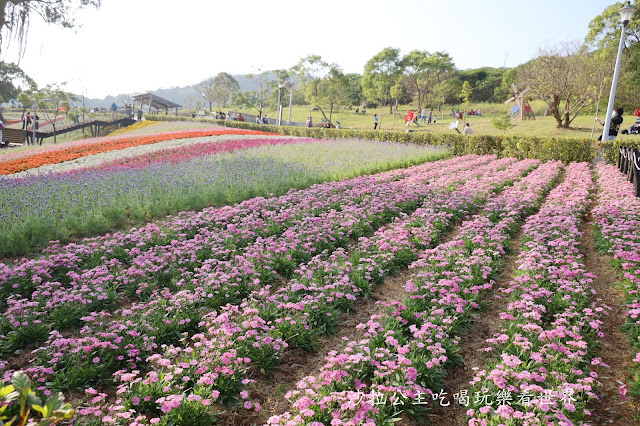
x=543, y=148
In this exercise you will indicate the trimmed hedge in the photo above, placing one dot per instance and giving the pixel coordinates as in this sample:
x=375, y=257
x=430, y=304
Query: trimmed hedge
x=610, y=148
x=563, y=149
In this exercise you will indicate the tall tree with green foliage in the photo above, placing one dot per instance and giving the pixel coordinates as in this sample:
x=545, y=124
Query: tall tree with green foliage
x=355, y=94
x=604, y=35
x=310, y=70
x=16, y=14
x=381, y=73
x=333, y=92
x=12, y=81
x=424, y=72
x=484, y=81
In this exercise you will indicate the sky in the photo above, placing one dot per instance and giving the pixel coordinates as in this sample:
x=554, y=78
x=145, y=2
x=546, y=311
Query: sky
x=133, y=46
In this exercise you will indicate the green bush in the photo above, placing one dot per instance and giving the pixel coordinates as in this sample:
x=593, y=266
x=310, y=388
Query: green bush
x=543, y=148
x=610, y=148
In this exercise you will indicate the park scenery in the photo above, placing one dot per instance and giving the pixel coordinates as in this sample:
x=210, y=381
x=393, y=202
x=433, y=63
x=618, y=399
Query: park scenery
x=416, y=244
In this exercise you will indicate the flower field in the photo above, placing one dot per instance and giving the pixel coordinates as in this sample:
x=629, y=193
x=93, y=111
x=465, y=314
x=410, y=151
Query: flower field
x=35, y=209
x=9, y=166
x=308, y=282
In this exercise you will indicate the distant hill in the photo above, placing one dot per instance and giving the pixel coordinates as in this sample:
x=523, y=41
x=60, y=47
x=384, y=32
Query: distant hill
x=186, y=96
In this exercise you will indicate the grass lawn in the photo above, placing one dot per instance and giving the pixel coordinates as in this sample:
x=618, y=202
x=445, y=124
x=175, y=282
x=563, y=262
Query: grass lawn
x=541, y=126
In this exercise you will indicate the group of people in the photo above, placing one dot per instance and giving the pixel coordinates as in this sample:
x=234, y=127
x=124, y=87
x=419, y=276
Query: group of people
x=419, y=118
x=326, y=124
x=262, y=120
x=30, y=125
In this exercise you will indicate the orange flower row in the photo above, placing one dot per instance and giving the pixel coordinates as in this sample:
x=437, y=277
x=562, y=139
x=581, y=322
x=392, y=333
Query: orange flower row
x=71, y=153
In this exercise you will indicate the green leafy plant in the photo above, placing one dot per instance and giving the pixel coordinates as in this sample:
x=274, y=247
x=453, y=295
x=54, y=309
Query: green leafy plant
x=502, y=122
x=50, y=412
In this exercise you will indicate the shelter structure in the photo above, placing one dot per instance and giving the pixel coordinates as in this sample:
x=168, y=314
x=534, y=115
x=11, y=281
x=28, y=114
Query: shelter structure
x=154, y=101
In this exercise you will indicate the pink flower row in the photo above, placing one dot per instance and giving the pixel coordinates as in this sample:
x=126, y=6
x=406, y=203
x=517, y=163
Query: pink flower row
x=401, y=356
x=617, y=222
x=244, y=335
x=238, y=263
x=182, y=153
x=551, y=325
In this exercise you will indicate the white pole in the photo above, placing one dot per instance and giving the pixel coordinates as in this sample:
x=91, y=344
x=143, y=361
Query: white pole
x=279, y=92
x=290, y=101
x=33, y=125
x=614, y=83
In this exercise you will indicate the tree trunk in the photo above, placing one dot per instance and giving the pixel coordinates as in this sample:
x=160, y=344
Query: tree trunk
x=554, y=110
x=567, y=109
x=325, y=116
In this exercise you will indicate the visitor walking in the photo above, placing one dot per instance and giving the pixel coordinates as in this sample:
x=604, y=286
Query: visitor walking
x=140, y=114
x=36, y=127
x=375, y=121
x=309, y=122
x=423, y=116
x=26, y=122
x=114, y=109
x=430, y=116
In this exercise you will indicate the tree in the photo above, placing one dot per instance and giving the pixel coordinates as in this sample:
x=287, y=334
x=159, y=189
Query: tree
x=604, y=35
x=424, y=72
x=502, y=122
x=310, y=70
x=504, y=90
x=206, y=88
x=604, y=29
x=484, y=81
x=51, y=101
x=224, y=89
x=15, y=15
x=256, y=99
x=465, y=96
x=325, y=85
x=354, y=89
x=333, y=92
x=12, y=81
x=381, y=73
x=566, y=78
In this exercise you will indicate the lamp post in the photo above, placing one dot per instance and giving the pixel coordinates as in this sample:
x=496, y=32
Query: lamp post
x=280, y=86
x=625, y=15
x=290, y=85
